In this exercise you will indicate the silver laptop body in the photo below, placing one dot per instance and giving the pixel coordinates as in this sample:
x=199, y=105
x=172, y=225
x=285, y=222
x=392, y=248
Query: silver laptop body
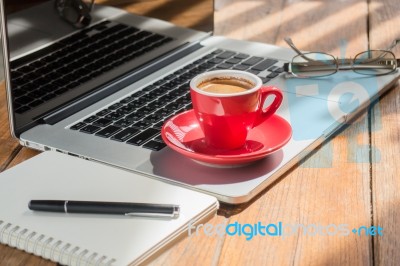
x=314, y=108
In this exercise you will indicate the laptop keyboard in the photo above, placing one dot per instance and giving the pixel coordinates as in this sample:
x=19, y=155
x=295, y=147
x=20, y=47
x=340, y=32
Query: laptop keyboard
x=137, y=119
x=66, y=64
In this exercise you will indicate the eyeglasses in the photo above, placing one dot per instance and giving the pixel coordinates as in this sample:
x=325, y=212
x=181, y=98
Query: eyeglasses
x=318, y=64
x=76, y=12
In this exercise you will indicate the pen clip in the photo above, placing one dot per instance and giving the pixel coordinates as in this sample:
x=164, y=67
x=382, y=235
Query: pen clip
x=153, y=215
x=174, y=214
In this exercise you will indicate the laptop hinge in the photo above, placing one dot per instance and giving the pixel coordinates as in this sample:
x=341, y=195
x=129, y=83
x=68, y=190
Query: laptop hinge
x=121, y=83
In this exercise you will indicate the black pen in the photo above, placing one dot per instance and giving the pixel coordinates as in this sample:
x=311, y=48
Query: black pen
x=98, y=207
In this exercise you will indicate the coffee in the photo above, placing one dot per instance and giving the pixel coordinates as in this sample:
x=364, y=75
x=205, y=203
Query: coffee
x=226, y=85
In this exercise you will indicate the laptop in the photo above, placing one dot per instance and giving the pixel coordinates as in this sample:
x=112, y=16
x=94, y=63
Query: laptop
x=98, y=82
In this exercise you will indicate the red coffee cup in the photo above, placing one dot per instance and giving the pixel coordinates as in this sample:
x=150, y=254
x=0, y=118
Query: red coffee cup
x=226, y=118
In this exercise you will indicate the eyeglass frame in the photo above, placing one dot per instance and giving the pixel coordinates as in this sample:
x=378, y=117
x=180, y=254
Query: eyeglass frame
x=287, y=66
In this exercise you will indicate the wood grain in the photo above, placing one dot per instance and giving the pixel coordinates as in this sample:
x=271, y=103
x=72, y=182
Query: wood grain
x=9, y=146
x=195, y=14
x=339, y=193
x=195, y=249
x=10, y=154
x=309, y=194
x=385, y=138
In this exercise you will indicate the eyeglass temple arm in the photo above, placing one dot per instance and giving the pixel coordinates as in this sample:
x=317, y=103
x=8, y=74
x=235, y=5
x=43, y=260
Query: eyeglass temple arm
x=91, y=4
x=395, y=42
x=291, y=44
x=289, y=41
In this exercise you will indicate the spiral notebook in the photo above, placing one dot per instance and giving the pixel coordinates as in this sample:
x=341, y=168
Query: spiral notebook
x=82, y=239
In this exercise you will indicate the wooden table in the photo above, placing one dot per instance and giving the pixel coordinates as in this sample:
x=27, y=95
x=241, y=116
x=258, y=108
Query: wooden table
x=352, y=179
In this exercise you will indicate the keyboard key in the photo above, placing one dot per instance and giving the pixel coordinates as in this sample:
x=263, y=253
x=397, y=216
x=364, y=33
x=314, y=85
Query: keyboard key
x=271, y=69
x=272, y=75
x=159, y=138
x=114, y=116
x=48, y=97
x=255, y=72
x=279, y=70
x=78, y=126
x=167, y=98
x=108, y=131
x=161, y=81
x=188, y=107
x=152, y=118
x=90, y=119
x=163, y=112
x=22, y=109
x=156, y=104
x=264, y=64
x=125, y=134
x=241, y=56
x=24, y=100
x=264, y=80
x=199, y=61
x=241, y=67
x=159, y=125
x=204, y=66
x=226, y=55
x=215, y=60
x=103, y=112
x=115, y=106
x=233, y=61
x=252, y=60
x=102, y=122
x=126, y=109
x=218, y=51
x=123, y=123
x=137, y=103
x=35, y=103
x=143, y=137
x=19, y=92
x=127, y=100
x=154, y=145
x=142, y=124
x=90, y=129
x=224, y=66
x=136, y=116
x=145, y=110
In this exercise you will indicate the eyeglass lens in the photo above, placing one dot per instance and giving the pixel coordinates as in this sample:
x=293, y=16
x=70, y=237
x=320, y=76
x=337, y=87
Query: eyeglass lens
x=313, y=65
x=374, y=62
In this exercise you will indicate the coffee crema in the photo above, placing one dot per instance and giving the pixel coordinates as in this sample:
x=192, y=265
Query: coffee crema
x=226, y=85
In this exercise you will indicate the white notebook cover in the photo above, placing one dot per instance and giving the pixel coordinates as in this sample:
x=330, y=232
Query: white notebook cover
x=87, y=239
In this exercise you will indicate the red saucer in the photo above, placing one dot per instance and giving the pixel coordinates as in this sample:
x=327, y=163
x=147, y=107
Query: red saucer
x=183, y=134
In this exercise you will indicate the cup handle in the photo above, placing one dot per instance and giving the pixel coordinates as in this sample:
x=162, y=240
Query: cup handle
x=271, y=109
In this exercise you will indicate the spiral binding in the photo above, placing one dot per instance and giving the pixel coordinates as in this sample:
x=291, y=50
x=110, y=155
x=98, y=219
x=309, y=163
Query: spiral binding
x=48, y=247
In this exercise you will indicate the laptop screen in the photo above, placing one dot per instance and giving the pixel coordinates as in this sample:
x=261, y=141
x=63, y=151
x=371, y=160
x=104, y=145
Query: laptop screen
x=52, y=47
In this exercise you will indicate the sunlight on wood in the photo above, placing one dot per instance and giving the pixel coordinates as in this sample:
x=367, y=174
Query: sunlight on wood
x=337, y=21
x=186, y=15
x=382, y=41
x=258, y=17
x=235, y=9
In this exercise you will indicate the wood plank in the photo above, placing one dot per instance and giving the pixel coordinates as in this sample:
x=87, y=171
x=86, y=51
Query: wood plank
x=196, y=14
x=385, y=138
x=339, y=194
x=309, y=194
x=9, y=150
x=194, y=249
x=312, y=25
x=9, y=145
x=22, y=155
